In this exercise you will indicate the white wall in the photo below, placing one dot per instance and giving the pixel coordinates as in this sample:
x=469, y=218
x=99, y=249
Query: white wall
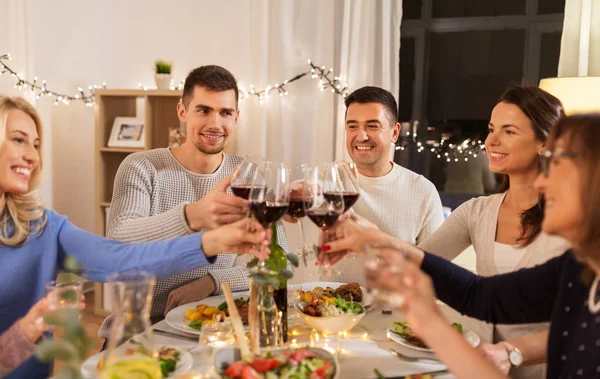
x=70, y=43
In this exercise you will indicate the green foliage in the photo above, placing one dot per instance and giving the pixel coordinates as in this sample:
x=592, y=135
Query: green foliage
x=75, y=344
x=162, y=67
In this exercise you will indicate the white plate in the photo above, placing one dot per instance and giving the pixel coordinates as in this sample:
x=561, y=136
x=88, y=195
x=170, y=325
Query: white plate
x=89, y=367
x=471, y=337
x=396, y=338
x=176, y=317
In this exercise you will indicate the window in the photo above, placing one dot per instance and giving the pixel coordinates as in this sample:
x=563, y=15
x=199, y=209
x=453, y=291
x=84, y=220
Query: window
x=457, y=57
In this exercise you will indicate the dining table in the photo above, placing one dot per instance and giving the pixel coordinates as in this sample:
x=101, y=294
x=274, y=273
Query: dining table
x=360, y=351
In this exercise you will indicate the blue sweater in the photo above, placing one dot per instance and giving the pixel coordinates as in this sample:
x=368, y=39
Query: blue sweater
x=24, y=270
x=551, y=292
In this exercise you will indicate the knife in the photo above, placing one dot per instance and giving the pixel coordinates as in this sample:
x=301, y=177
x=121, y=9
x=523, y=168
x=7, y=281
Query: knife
x=173, y=335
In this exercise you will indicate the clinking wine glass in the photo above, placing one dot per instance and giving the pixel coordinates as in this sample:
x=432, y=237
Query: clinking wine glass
x=269, y=198
x=384, y=260
x=348, y=179
x=296, y=209
x=241, y=180
x=348, y=182
x=324, y=203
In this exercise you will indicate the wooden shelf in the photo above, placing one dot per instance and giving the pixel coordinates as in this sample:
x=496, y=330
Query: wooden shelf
x=120, y=149
x=158, y=109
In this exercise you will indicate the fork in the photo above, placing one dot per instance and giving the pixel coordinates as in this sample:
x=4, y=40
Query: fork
x=386, y=311
x=413, y=359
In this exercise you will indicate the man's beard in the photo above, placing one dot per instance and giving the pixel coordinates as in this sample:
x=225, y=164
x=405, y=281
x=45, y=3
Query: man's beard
x=209, y=150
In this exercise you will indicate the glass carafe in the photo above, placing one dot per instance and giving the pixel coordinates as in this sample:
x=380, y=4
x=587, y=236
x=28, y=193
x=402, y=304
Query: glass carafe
x=131, y=350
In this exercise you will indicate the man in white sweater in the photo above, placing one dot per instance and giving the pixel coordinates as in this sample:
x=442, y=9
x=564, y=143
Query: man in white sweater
x=400, y=202
x=164, y=193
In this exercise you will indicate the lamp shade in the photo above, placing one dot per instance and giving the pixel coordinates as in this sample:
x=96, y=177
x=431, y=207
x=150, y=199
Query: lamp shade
x=578, y=94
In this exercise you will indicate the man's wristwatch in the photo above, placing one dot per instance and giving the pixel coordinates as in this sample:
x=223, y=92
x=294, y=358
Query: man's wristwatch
x=515, y=357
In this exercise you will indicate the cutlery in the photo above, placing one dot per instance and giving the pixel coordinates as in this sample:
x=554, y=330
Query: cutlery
x=173, y=335
x=413, y=359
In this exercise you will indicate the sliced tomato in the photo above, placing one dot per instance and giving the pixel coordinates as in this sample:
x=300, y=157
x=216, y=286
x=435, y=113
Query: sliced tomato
x=235, y=369
x=302, y=354
x=321, y=372
x=249, y=373
x=264, y=364
x=129, y=351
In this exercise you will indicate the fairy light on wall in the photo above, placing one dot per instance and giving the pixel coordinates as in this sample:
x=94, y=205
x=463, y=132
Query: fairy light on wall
x=41, y=90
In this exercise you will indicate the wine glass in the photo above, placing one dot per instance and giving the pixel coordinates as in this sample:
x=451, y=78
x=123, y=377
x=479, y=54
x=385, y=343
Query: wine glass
x=348, y=178
x=324, y=203
x=389, y=260
x=241, y=180
x=296, y=208
x=269, y=198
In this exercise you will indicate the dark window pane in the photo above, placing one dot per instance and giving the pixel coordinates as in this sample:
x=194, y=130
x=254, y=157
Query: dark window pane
x=474, y=8
x=411, y=9
x=469, y=70
x=551, y=6
x=549, y=53
x=407, y=78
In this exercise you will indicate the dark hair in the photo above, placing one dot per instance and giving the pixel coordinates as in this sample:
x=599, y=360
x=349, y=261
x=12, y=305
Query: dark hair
x=212, y=77
x=370, y=94
x=582, y=136
x=544, y=110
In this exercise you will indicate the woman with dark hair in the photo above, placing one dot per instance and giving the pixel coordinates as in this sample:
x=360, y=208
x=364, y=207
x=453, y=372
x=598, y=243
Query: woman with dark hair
x=564, y=290
x=504, y=228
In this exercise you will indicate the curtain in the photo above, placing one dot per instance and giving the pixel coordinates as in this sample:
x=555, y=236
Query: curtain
x=580, y=43
x=369, y=51
x=359, y=39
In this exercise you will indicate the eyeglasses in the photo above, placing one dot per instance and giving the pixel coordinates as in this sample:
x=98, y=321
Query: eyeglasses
x=547, y=156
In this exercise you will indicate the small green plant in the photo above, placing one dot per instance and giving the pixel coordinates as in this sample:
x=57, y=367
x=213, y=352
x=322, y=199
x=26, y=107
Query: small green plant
x=163, y=67
x=75, y=344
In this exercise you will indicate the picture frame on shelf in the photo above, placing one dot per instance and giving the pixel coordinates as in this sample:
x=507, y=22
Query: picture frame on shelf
x=127, y=132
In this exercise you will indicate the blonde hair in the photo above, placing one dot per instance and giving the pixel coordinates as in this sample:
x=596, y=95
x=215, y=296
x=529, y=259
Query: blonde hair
x=23, y=212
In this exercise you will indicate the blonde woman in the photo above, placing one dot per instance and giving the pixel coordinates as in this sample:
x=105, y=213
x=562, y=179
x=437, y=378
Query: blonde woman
x=34, y=241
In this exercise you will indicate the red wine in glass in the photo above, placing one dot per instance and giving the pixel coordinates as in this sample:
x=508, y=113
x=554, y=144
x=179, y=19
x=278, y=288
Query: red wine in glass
x=349, y=198
x=296, y=209
x=242, y=191
x=267, y=213
x=323, y=218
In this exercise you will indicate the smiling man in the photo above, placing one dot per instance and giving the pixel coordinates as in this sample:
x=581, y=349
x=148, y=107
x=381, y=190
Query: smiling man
x=400, y=202
x=164, y=193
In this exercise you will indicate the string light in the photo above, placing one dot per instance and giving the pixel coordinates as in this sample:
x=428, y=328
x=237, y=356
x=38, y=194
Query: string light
x=42, y=90
x=449, y=152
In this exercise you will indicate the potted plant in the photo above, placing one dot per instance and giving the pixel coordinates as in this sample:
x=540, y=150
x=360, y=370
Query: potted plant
x=162, y=74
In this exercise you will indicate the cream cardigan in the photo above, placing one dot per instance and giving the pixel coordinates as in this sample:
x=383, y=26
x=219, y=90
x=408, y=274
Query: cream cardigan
x=474, y=223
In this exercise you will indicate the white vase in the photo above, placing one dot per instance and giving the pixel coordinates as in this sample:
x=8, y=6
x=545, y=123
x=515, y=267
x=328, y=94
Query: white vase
x=163, y=81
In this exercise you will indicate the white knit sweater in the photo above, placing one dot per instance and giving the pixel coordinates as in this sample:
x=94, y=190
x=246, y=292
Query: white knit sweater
x=402, y=204
x=151, y=189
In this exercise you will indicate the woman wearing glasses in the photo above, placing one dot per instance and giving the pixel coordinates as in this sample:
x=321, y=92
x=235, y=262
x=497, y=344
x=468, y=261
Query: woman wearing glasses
x=505, y=228
x=563, y=290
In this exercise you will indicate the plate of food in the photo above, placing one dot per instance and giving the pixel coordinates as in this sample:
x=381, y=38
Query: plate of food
x=331, y=310
x=347, y=291
x=401, y=333
x=173, y=362
x=190, y=317
x=313, y=363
